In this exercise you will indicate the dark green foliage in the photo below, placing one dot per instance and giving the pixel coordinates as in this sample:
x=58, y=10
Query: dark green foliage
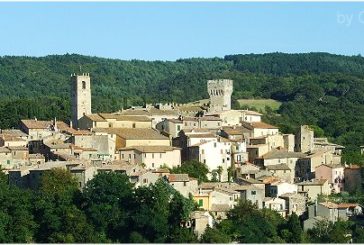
x=213, y=235
x=292, y=231
x=107, y=202
x=194, y=169
x=328, y=232
x=56, y=213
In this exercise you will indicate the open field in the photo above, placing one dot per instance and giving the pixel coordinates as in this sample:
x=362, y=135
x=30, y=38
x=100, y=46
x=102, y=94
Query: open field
x=260, y=103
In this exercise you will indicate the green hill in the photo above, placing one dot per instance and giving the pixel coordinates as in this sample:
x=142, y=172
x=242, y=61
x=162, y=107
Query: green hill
x=313, y=88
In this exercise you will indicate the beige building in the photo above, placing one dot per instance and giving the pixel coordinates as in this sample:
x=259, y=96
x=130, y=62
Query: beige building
x=108, y=120
x=103, y=144
x=152, y=157
x=183, y=183
x=313, y=188
x=304, y=139
x=305, y=167
x=277, y=204
x=127, y=137
x=258, y=129
x=236, y=117
x=295, y=203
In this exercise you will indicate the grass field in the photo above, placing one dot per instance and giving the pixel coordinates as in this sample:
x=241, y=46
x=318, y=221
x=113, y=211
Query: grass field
x=260, y=103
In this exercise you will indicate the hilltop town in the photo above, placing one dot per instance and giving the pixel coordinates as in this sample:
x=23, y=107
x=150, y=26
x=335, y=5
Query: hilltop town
x=246, y=158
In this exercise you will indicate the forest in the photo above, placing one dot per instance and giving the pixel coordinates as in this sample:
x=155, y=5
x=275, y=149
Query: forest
x=319, y=89
x=110, y=209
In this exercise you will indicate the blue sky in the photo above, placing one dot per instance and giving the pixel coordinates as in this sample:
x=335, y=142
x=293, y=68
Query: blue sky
x=168, y=31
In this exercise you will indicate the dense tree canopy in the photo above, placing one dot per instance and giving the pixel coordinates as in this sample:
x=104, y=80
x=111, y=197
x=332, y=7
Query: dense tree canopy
x=109, y=209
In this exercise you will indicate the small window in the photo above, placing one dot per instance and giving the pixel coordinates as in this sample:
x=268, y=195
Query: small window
x=185, y=183
x=200, y=202
x=253, y=193
x=129, y=156
x=83, y=85
x=152, y=155
x=160, y=155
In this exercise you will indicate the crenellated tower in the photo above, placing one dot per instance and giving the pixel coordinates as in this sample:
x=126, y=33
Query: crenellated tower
x=220, y=94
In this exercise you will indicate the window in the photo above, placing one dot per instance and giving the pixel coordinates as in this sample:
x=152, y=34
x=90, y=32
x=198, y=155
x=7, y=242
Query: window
x=152, y=155
x=152, y=165
x=178, y=127
x=134, y=156
x=215, y=144
x=160, y=155
x=253, y=193
x=83, y=85
x=202, y=151
x=185, y=183
x=223, y=160
x=200, y=202
x=129, y=156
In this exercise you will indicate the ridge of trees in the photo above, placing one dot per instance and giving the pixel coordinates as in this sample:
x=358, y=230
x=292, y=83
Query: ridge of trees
x=109, y=210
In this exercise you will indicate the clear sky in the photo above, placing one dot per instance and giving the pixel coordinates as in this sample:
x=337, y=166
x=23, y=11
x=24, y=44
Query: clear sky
x=172, y=30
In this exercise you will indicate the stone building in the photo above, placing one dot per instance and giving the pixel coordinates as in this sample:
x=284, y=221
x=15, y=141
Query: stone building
x=220, y=94
x=304, y=139
x=81, y=96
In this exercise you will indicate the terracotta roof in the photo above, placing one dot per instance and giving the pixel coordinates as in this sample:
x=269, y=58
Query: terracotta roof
x=161, y=170
x=95, y=118
x=278, y=154
x=262, y=125
x=13, y=132
x=151, y=148
x=339, y=205
x=313, y=182
x=281, y=166
x=134, y=133
x=4, y=150
x=220, y=207
x=121, y=117
x=11, y=138
x=226, y=191
x=18, y=148
x=36, y=156
x=36, y=124
x=178, y=178
x=269, y=179
x=331, y=166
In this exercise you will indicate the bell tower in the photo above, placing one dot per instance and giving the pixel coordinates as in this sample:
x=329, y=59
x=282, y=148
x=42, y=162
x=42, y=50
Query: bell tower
x=81, y=97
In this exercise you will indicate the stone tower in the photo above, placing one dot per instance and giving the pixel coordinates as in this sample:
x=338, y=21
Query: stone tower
x=220, y=94
x=304, y=139
x=81, y=97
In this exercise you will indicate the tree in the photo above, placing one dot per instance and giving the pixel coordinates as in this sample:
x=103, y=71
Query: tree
x=108, y=201
x=214, y=235
x=56, y=213
x=194, y=169
x=292, y=231
x=327, y=232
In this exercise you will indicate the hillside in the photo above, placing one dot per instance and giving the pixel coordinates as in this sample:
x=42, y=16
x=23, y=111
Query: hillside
x=314, y=88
